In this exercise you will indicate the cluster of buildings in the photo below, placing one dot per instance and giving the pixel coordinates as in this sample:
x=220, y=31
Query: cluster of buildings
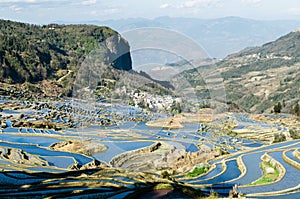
x=154, y=102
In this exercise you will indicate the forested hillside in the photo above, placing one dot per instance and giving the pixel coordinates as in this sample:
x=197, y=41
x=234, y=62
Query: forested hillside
x=31, y=53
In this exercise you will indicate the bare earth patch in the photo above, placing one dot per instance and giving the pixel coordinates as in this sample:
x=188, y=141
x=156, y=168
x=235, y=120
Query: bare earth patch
x=162, y=156
x=177, y=121
x=86, y=147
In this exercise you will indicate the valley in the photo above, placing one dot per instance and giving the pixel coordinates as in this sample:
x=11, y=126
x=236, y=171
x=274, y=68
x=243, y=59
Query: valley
x=77, y=121
x=114, y=155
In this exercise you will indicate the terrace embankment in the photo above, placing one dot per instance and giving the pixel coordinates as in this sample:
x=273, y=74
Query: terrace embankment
x=290, y=161
x=177, y=122
x=18, y=156
x=161, y=156
x=86, y=147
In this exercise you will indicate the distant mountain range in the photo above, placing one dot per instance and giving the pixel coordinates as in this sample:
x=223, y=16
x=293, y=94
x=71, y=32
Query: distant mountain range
x=218, y=37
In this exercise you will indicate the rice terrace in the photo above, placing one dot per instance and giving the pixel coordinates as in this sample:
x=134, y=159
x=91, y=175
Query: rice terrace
x=159, y=107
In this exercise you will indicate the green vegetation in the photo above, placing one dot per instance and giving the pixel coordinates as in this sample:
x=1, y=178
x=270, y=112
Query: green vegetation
x=32, y=53
x=213, y=195
x=279, y=137
x=295, y=134
x=163, y=186
x=267, y=177
x=176, y=108
x=166, y=175
x=198, y=171
x=296, y=110
x=221, y=151
x=277, y=108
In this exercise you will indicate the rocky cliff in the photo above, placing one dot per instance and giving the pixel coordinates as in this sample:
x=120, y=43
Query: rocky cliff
x=119, y=52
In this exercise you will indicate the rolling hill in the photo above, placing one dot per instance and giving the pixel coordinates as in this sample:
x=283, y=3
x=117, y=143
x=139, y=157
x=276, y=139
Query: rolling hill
x=255, y=79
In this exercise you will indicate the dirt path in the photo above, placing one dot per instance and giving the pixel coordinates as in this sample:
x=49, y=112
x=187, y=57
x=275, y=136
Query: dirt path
x=65, y=76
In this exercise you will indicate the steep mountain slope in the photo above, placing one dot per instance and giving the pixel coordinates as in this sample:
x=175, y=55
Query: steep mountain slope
x=55, y=60
x=31, y=53
x=34, y=53
x=258, y=78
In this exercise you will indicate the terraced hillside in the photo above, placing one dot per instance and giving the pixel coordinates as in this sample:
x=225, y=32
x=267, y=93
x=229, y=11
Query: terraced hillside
x=240, y=170
x=53, y=149
x=244, y=169
x=255, y=79
x=97, y=145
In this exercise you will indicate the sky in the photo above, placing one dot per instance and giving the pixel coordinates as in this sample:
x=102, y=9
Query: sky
x=49, y=11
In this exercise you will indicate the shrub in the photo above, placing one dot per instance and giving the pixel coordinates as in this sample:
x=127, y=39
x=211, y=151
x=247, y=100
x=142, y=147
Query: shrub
x=277, y=108
x=294, y=134
x=279, y=137
x=198, y=171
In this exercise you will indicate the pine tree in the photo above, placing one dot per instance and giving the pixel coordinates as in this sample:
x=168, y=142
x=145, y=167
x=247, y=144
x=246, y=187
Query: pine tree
x=277, y=108
x=297, y=109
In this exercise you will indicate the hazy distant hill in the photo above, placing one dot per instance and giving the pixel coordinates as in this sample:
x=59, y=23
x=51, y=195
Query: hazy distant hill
x=257, y=78
x=219, y=37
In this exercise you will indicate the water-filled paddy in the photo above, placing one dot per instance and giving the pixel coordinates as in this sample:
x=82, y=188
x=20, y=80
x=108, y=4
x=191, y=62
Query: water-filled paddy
x=190, y=147
x=60, y=162
x=40, y=140
x=290, y=155
x=33, y=149
x=45, y=169
x=127, y=135
x=291, y=178
x=116, y=148
x=230, y=173
x=216, y=171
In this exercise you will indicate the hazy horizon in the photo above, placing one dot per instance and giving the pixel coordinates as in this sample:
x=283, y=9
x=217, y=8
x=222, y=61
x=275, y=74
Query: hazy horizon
x=49, y=11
